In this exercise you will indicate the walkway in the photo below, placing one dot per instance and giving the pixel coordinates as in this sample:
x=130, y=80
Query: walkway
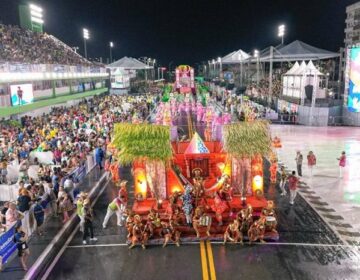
x=13, y=270
x=340, y=196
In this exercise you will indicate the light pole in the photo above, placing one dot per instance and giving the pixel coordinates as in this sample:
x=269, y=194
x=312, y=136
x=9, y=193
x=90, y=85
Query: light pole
x=111, y=46
x=241, y=69
x=256, y=55
x=86, y=36
x=220, y=66
x=281, y=33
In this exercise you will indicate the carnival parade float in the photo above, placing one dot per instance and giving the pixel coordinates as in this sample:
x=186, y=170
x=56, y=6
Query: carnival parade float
x=196, y=174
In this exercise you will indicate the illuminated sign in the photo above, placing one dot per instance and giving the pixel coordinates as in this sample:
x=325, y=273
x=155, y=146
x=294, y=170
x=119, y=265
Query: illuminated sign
x=21, y=94
x=353, y=101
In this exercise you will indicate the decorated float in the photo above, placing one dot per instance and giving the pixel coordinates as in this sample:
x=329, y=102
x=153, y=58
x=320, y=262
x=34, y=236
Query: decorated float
x=207, y=183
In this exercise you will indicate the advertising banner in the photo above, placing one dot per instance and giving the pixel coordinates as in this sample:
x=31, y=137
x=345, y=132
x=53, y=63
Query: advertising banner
x=7, y=245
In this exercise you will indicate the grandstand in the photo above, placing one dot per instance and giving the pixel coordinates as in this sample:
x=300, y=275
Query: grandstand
x=45, y=66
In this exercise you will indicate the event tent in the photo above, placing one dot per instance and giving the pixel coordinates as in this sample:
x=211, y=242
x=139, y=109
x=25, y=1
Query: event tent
x=295, y=51
x=235, y=57
x=128, y=63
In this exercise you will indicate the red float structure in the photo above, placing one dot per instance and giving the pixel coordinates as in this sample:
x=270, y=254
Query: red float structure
x=203, y=189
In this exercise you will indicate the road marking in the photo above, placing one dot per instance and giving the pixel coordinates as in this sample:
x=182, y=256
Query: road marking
x=211, y=260
x=205, y=272
x=221, y=242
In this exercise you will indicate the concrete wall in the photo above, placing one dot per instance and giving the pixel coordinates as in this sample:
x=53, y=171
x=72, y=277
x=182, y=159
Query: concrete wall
x=320, y=116
x=350, y=118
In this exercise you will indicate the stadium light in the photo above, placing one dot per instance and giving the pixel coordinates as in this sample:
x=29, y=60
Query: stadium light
x=86, y=36
x=111, y=46
x=281, y=32
x=256, y=53
x=36, y=14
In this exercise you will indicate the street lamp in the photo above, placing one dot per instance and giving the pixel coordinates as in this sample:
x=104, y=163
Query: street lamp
x=86, y=36
x=111, y=46
x=281, y=33
x=256, y=55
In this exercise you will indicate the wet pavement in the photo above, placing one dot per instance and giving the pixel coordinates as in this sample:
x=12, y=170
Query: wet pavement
x=13, y=270
x=307, y=249
x=336, y=199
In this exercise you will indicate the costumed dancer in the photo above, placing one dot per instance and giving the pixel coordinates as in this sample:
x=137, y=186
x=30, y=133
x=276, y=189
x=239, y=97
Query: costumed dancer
x=153, y=221
x=117, y=207
x=245, y=218
x=137, y=231
x=187, y=205
x=232, y=233
x=273, y=171
x=257, y=230
x=269, y=214
x=170, y=233
x=201, y=220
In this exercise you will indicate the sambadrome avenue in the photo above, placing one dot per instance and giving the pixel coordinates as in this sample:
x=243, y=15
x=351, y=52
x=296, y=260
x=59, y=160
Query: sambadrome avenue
x=173, y=140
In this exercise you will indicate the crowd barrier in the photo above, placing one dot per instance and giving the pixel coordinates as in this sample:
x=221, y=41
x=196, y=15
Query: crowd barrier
x=10, y=193
x=28, y=223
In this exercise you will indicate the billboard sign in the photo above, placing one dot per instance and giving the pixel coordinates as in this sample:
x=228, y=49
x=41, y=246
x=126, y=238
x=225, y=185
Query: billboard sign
x=21, y=94
x=353, y=102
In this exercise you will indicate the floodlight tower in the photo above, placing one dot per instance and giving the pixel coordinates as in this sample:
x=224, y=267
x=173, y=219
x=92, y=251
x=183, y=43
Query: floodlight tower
x=111, y=46
x=281, y=33
x=86, y=36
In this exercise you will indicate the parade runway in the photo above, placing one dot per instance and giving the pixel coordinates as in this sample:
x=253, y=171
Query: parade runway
x=307, y=249
x=341, y=196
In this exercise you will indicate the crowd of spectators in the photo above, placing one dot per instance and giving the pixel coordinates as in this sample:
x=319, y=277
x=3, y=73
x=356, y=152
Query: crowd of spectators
x=70, y=134
x=25, y=46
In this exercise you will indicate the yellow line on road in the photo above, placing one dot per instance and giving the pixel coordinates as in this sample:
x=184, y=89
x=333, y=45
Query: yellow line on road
x=211, y=261
x=205, y=272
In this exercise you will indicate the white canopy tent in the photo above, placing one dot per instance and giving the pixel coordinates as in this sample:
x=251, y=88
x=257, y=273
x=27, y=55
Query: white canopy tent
x=301, y=76
x=123, y=70
x=235, y=57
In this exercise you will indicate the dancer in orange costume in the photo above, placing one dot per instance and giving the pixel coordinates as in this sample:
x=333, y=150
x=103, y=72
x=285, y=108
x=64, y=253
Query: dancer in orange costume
x=273, y=171
x=114, y=170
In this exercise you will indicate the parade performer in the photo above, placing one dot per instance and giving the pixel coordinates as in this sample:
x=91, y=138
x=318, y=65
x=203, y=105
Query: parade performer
x=257, y=230
x=273, y=171
x=174, y=200
x=114, y=170
x=146, y=235
x=137, y=231
x=129, y=222
x=153, y=221
x=170, y=233
x=245, y=218
x=269, y=214
x=117, y=207
x=198, y=191
x=187, y=205
x=123, y=195
x=200, y=220
x=232, y=233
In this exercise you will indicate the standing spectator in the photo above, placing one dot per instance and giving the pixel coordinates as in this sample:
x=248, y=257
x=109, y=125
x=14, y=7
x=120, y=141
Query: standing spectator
x=12, y=215
x=283, y=177
x=311, y=159
x=24, y=201
x=3, y=172
x=293, y=181
x=39, y=214
x=20, y=238
x=80, y=209
x=69, y=187
x=88, y=222
x=3, y=215
x=65, y=206
x=342, y=163
x=299, y=161
x=99, y=156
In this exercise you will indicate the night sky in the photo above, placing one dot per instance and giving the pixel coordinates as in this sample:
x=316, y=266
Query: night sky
x=187, y=31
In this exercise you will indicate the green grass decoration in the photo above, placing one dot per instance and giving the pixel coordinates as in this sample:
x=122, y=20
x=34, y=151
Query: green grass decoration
x=247, y=139
x=139, y=142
